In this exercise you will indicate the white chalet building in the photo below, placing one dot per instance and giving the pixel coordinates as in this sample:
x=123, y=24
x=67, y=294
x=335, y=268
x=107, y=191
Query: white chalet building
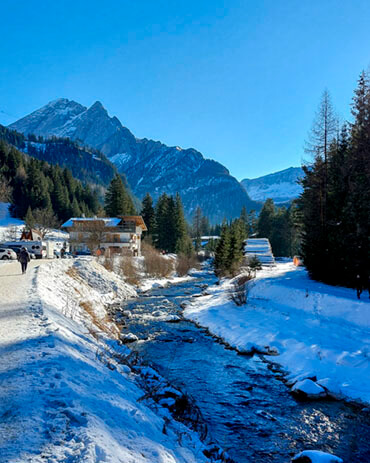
x=99, y=233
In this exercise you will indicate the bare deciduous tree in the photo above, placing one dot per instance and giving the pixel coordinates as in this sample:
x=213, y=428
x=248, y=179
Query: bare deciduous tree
x=94, y=233
x=323, y=133
x=45, y=220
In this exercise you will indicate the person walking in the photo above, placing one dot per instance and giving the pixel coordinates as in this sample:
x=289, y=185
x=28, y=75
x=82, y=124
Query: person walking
x=24, y=258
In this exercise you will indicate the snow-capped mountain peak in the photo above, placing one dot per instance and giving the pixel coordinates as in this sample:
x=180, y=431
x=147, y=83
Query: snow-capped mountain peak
x=150, y=166
x=281, y=186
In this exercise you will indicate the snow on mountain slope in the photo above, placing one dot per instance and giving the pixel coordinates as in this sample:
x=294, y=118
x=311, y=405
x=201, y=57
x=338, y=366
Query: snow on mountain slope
x=281, y=186
x=64, y=395
x=6, y=220
x=51, y=118
x=150, y=166
x=9, y=226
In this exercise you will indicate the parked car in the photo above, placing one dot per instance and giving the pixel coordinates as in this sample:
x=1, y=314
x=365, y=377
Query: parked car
x=32, y=246
x=82, y=253
x=7, y=254
x=16, y=249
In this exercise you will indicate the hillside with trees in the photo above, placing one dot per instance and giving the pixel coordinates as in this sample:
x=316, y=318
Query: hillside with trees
x=33, y=185
x=86, y=164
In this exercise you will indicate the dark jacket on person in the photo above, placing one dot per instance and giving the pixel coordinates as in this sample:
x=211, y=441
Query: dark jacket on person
x=24, y=256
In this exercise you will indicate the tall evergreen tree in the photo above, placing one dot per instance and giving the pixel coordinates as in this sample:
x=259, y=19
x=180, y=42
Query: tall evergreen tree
x=161, y=221
x=183, y=243
x=29, y=219
x=197, y=227
x=222, y=256
x=266, y=219
x=148, y=213
x=117, y=199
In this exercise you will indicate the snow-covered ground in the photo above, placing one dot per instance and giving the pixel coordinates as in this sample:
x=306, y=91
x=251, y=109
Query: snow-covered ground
x=151, y=283
x=11, y=228
x=7, y=223
x=64, y=397
x=318, y=331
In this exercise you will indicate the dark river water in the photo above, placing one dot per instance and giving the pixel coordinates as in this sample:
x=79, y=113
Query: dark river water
x=248, y=410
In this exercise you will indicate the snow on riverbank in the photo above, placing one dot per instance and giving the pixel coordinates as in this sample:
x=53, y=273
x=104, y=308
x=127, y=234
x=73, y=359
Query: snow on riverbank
x=63, y=395
x=320, y=332
x=152, y=283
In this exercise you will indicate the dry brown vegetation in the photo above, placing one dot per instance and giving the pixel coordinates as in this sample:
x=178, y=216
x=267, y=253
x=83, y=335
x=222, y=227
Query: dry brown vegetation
x=155, y=264
x=72, y=272
x=107, y=262
x=128, y=268
x=240, y=288
x=104, y=325
x=185, y=263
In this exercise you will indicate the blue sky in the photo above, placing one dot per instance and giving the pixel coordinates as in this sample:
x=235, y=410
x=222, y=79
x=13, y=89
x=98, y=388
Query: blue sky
x=237, y=80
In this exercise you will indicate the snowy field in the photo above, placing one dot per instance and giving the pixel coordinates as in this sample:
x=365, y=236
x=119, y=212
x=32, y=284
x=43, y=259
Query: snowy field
x=319, y=334
x=64, y=397
x=11, y=228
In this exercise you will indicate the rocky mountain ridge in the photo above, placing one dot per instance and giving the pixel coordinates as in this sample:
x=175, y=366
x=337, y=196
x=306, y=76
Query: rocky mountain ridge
x=150, y=166
x=281, y=186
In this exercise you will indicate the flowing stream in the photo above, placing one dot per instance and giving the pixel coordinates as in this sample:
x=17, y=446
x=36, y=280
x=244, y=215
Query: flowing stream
x=248, y=410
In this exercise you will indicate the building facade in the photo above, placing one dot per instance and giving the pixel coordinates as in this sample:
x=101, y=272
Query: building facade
x=102, y=234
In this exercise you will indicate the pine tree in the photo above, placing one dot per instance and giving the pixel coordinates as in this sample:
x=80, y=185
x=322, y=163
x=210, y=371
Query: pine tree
x=222, y=255
x=323, y=132
x=148, y=213
x=265, y=219
x=29, y=219
x=252, y=223
x=237, y=237
x=117, y=200
x=359, y=180
x=205, y=226
x=183, y=243
x=161, y=217
x=197, y=227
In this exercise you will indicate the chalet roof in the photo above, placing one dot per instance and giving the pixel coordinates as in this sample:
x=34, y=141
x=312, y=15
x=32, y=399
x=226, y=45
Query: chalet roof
x=139, y=221
x=108, y=221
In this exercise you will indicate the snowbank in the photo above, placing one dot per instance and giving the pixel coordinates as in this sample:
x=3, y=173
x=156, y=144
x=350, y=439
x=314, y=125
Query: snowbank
x=320, y=332
x=68, y=398
x=151, y=283
x=315, y=456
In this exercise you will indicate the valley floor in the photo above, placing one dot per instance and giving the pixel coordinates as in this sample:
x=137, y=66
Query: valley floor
x=63, y=395
x=316, y=331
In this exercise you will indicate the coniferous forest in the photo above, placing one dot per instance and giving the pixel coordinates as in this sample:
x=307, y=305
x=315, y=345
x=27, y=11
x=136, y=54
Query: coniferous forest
x=28, y=183
x=167, y=227
x=335, y=203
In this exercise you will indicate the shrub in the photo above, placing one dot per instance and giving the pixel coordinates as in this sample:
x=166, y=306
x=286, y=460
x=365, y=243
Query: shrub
x=240, y=288
x=108, y=263
x=185, y=263
x=155, y=264
x=128, y=268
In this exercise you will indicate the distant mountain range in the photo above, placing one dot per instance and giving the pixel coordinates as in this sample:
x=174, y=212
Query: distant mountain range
x=150, y=166
x=281, y=186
